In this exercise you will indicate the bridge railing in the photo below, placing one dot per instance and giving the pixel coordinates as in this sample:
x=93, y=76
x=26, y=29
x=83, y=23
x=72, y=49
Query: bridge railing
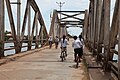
x=55, y=27
x=36, y=36
x=101, y=37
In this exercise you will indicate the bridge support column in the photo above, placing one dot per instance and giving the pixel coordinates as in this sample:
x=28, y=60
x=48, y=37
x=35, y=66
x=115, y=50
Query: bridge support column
x=18, y=19
x=42, y=36
x=29, y=27
x=106, y=33
x=119, y=46
x=114, y=28
x=85, y=25
x=2, y=28
x=98, y=27
x=94, y=27
x=91, y=25
x=37, y=43
x=12, y=25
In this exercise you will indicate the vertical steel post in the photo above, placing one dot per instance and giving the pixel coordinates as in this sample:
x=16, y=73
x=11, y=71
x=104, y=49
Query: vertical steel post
x=85, y=25
x=42, y=35
x=2, y=15
x=18, y=18
x=106, y=33
x=29, y=26
x=94, y=29
x=36, y=46
x=119, y=47
x=114, y=28
x=17, y=49
x=98, y=25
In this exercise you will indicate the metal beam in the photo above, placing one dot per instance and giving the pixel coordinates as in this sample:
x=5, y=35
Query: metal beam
x=24, y=20
x=33, y=26
x=82, y=12
x=94, y=27
x=15, y=3
x=98, y=25
x=85, y=25
x=119, y=45
x=41, y=21
x=71, y=21
x=29, y=27
x=71, y=16
x=114, y=27
x=101, y=36
x=106, y=33
x=91, y=26
x=18, y=19
x=74, y=26
x=34, y=5
x=37, y=43
x=12, y=26
x=2, y=16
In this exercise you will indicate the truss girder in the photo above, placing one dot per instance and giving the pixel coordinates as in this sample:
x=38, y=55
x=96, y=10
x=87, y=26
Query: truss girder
x=34, y=32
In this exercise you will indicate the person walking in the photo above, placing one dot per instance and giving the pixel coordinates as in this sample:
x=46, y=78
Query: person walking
x=56, y=42
x=50, y=41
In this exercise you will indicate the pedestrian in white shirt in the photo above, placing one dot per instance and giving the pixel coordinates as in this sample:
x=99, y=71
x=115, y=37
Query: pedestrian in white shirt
x=81, y=40
x=77, y=45
x=64, y=44
x=50, y=41
x=56, y=42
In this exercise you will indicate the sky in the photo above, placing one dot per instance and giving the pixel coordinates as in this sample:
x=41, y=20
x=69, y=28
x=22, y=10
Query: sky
x=70, y=5
x=47, y=7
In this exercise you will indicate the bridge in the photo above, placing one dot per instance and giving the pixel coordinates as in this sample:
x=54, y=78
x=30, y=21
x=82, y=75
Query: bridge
x=101, y=38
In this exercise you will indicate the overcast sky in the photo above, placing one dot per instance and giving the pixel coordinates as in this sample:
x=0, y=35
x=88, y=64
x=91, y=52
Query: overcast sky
x=47, y=6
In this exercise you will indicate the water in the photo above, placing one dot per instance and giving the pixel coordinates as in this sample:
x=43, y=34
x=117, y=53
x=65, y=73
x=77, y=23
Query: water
x=10, y=45
x=10, y=52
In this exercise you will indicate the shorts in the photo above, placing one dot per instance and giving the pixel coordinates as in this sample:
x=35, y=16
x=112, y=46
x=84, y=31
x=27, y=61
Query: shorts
x=56, y=43
x=50, y=42
x=78, y=51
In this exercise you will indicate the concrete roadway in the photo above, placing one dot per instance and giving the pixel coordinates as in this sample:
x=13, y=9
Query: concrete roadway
x=44, y=65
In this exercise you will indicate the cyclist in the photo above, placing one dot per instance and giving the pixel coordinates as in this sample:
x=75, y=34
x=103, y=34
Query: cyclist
x=56, y=42
x=50, y=41
x=77, y=49
x=81, y=40
x=63, y=45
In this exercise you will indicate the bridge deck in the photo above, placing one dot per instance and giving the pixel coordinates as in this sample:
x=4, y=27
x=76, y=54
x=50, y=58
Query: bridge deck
x=43, y=65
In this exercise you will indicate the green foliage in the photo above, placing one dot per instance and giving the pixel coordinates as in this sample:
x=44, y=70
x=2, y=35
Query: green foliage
x=6, y=38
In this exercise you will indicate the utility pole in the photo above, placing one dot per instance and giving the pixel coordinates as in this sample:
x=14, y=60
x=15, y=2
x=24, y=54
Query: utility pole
x=60, y=4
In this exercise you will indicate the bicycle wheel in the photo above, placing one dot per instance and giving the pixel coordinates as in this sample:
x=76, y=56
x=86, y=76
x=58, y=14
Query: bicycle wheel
x=77, y=62
x=62, y=59
x=61, y=56
x=64, y=55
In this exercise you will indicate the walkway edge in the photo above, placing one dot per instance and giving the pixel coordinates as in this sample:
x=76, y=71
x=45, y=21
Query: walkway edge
x=19, y=55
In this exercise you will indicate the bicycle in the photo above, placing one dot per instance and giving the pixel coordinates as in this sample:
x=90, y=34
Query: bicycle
x=63, y=54
x=77, y=61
